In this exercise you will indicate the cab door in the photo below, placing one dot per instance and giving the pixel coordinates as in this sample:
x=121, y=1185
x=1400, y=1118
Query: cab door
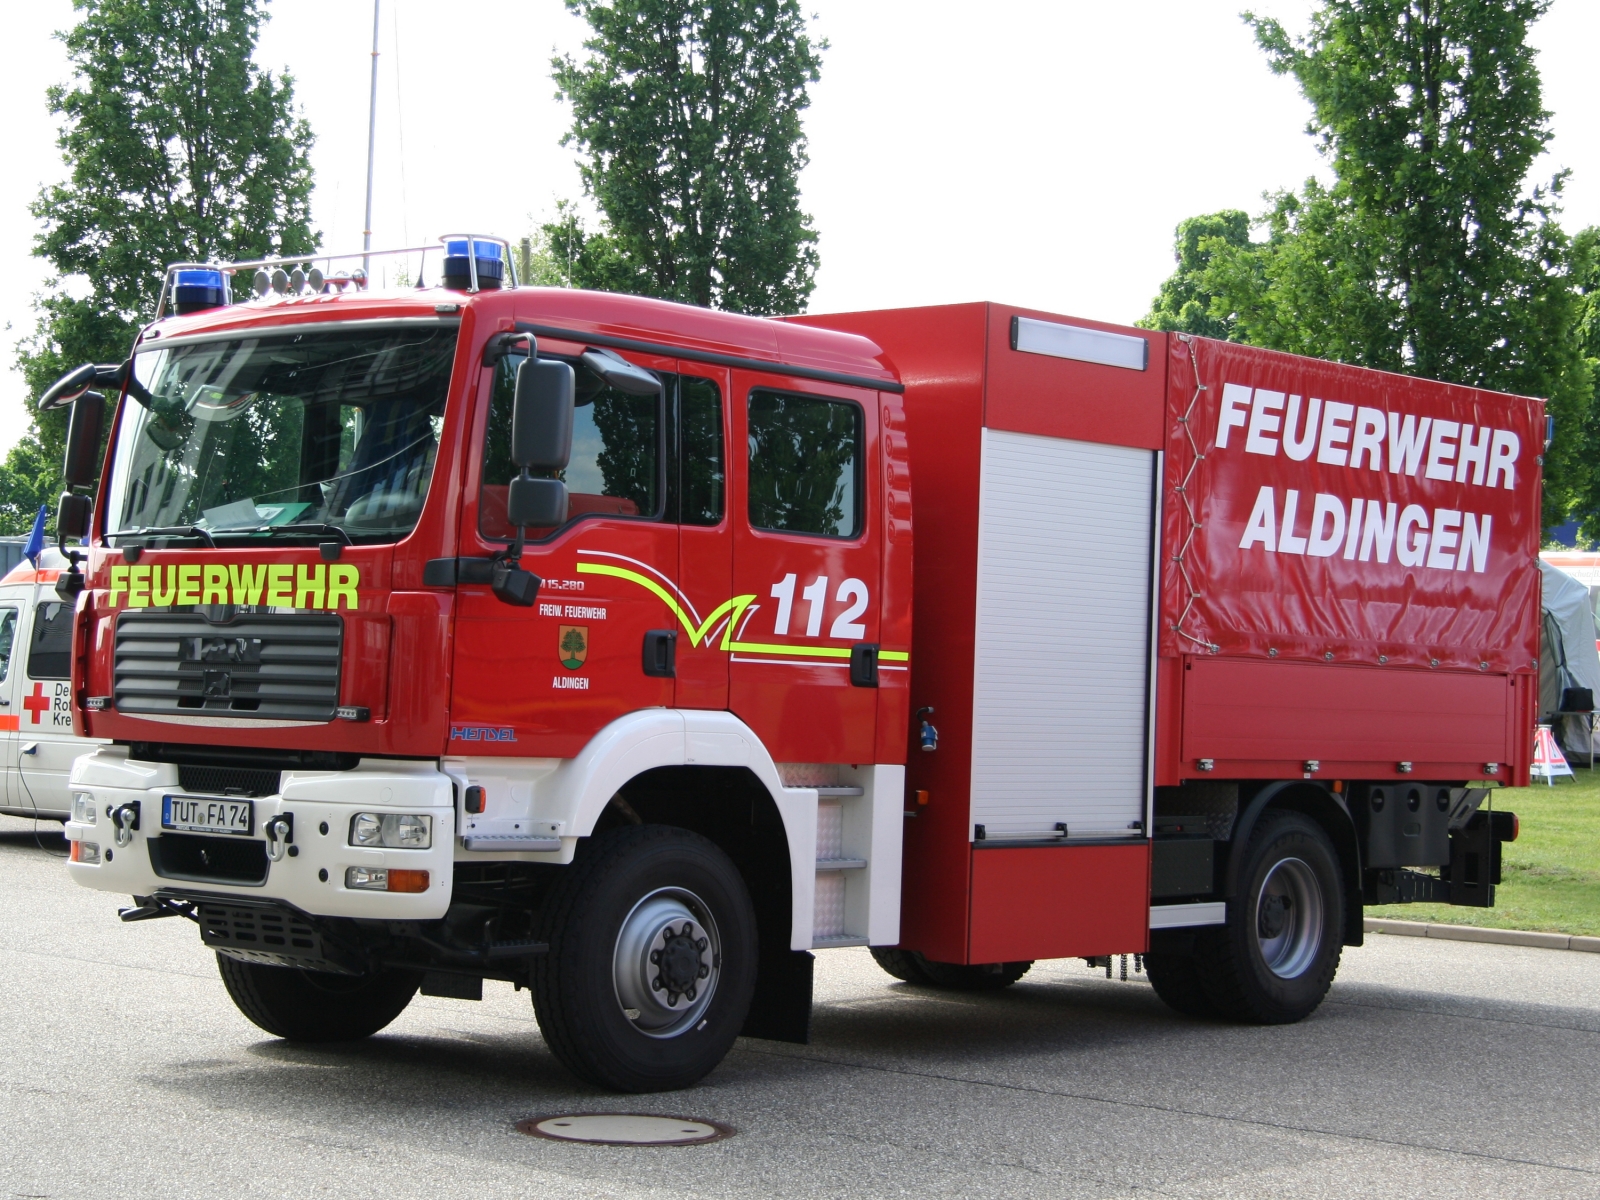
x=47, y=744
x=544, y=680
x=806, y=550
x=697, y=501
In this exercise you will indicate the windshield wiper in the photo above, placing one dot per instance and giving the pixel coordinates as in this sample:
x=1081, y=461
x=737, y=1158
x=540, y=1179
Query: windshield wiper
x=311, y=527
x=168, y=531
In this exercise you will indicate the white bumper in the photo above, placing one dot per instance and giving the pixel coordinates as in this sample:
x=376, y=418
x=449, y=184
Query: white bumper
x=312, y=876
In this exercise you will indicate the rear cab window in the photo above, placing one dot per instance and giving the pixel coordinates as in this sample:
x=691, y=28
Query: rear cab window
x=806, y=458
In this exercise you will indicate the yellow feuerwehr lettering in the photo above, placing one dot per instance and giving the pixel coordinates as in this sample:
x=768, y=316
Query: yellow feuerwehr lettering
x=216, y=584
x=280, y=577
x=139, y=587
x=247, y=582
x=119, y=582
x=343, y=579
x=309, y=585
x=189, y=583
x=161, y=596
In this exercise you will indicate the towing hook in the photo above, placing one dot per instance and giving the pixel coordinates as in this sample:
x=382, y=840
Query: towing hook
x=279, y=831
x=124, y=821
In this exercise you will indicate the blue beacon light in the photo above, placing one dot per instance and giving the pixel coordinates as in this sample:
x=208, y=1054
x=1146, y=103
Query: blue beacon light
x=457, y=273
x=196, y=290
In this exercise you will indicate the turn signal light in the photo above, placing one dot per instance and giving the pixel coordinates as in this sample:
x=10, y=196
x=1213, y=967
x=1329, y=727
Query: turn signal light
x=385, y=879
x=89, y=852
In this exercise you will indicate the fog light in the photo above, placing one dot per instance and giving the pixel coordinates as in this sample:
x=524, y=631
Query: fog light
x=400, y=831
x=83, y=808
x=383, y=879
x=85, y=852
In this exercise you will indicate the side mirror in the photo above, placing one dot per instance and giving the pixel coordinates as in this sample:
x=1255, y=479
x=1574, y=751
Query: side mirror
x=83, y=439
x=72, y=517
x=78, y=380
x=541, y=503
x=541, y=416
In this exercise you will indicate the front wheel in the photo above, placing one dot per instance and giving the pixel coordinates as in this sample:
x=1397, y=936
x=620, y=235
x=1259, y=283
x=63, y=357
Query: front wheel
x=1274, y=960
x=315, y=1006
x=651, y=963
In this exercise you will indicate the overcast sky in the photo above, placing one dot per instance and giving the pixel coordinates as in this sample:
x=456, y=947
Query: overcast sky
x=1037, y=152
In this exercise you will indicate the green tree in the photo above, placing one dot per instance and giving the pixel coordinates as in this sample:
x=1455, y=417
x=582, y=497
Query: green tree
x=1183, y=304
x=1429, y=253
x=687, y=115
x=178, y=148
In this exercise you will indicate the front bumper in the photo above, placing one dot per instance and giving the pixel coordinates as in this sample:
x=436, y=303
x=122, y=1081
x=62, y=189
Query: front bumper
x=310, y=876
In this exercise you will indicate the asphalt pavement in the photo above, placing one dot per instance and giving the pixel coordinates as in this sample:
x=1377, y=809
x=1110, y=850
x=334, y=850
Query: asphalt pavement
x=1434, y=1069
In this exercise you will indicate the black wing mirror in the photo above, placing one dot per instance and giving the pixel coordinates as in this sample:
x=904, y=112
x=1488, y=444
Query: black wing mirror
x=541, y=440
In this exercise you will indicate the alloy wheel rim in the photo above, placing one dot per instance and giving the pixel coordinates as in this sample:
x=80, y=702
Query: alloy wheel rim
x=1289, y=921
x=667, y=962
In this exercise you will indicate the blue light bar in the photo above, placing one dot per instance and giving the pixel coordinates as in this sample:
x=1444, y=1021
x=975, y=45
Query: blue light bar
x=198, y=290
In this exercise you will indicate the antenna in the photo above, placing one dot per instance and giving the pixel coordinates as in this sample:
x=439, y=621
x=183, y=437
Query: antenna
x=372, y=138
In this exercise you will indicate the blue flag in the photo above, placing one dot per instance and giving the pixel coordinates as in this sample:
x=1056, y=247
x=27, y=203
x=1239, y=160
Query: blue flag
x=35, y=546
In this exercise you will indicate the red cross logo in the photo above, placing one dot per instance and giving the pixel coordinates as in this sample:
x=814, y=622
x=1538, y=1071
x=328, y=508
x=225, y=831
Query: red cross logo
x=37, y=703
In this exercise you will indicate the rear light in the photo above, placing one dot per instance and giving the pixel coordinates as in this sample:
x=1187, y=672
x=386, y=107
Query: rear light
x=1516, y=826
x=385, y=879
x=87, y=852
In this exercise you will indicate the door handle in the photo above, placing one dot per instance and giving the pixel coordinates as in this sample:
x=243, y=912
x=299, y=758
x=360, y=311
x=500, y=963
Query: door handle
x=661, y=653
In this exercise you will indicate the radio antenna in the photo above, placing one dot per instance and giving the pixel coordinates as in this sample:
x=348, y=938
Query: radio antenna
x=372, y=139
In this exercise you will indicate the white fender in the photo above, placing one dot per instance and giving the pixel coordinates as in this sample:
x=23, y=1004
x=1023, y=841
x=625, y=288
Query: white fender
x=577, y=791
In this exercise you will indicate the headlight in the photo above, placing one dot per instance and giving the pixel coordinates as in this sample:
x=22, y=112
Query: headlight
x=83, y=808
x=397, y=831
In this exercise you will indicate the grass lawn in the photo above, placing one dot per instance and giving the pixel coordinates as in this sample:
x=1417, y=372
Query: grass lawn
x=1551, y=872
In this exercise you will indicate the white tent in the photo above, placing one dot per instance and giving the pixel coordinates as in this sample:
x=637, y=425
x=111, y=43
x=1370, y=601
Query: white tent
x=1569, y=658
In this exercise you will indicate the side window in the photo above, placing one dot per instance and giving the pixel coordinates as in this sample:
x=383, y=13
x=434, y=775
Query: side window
x=695, y=489
x=8, y=635
x=805, y=464
x=50, y=648
x=616, y=452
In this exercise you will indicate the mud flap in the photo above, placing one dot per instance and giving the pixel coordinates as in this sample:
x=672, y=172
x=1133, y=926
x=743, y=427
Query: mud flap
x=780, y=1010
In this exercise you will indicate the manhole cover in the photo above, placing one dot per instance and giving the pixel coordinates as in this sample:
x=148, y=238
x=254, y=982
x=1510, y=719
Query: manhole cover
x=626, y=1129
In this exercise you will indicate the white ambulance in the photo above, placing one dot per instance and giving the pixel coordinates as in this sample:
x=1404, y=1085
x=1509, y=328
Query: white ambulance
x=36, y=692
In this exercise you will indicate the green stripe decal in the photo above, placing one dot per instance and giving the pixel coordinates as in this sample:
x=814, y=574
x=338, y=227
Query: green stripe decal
x=733, y=610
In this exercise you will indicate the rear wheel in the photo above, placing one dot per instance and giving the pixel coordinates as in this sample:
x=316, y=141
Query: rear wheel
x=1274, y=960
x=913, y=967
x=652, y=960
x=1176, y=979
x=316, y=1006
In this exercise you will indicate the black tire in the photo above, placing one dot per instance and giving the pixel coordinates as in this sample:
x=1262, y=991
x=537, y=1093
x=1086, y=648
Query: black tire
x=1274, y=960
x=1176, y=979
x=315, y=1006
x=598, y=920
x=914, y=967
x=902, y=964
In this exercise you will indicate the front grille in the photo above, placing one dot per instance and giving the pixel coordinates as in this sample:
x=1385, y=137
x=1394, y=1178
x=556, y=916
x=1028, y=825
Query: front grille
x=228, y=781
x=267, y=666
x=279, y=937
x=200, y=859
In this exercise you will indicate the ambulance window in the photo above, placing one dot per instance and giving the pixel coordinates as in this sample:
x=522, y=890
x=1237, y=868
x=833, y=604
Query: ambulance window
x=50, y=649
x=616, y=453
x=805, y=464
x=695, y=481
x=8, y=635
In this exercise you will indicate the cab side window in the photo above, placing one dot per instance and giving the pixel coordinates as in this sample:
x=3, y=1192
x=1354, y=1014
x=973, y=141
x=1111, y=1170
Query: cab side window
x=695, y=477
x=50, y=648
x=8, y=635
x=805, y=464
x=616, y=452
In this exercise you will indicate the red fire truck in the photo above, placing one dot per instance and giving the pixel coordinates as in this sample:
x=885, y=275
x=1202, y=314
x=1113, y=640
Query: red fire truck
x=475, y=631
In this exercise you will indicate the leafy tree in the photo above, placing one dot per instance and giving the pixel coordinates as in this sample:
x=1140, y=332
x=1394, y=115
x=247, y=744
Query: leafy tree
x=687, y=113
x=1429, y=253
x=1183, y=304
x=178, y=147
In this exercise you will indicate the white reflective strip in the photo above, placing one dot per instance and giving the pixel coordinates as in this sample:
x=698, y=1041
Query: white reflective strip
x=1178, y=916
x=1085, y=345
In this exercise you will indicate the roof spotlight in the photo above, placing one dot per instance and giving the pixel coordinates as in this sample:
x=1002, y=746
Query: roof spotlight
x=297, y=280
x=314, y=280
x=262, y=283
x=280, y=280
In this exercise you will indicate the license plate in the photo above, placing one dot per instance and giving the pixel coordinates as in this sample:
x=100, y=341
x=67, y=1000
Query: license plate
x=208, y=814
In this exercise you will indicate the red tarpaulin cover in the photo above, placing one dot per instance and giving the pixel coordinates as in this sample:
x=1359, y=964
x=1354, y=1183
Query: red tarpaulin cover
x=1328, y=510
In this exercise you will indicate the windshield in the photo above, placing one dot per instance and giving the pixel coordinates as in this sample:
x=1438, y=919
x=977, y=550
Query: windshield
x=283, y=434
